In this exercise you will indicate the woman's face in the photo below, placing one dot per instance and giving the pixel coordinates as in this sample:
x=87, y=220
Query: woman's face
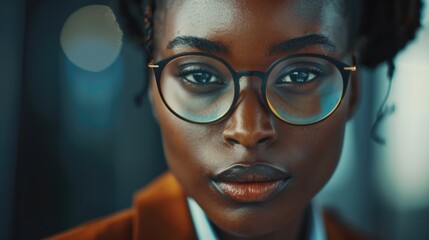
x=253, y=174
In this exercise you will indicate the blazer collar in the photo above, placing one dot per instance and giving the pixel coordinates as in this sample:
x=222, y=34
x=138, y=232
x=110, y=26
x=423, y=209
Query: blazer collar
x=162, y=211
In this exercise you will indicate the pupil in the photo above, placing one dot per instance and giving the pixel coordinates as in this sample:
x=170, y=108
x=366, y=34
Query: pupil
x=299, y=76
x=202, y=77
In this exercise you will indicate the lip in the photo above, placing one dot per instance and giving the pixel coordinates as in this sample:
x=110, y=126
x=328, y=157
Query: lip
x=251, y=183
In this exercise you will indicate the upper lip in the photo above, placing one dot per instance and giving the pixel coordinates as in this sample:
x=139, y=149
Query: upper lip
x=261, y=172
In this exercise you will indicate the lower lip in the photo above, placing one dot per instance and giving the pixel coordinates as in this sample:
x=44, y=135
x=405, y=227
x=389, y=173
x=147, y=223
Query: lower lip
x=251, y=192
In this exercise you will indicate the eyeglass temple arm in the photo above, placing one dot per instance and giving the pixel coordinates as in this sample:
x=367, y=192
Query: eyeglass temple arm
x=153, y=66
x=352, y=68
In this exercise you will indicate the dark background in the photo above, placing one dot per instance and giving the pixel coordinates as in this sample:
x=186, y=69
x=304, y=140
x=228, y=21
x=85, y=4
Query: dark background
x=55, y=174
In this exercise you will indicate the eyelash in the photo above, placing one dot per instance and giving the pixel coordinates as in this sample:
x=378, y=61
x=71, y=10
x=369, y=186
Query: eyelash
x=189, y=70
x=308, y=69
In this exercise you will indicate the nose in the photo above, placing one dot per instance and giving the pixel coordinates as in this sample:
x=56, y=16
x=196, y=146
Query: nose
x=250, y=125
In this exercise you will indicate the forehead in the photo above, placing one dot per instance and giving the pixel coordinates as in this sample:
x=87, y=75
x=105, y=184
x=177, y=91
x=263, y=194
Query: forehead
x=226, y=11
x=253, y=24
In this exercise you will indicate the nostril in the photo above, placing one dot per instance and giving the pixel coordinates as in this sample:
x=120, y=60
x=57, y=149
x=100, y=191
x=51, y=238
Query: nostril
x=264, y=140
x=248, y=140
x=233, y=141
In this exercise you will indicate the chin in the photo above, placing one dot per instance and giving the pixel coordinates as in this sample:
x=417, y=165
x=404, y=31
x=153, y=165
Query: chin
x=250, y=229
x=251, y=221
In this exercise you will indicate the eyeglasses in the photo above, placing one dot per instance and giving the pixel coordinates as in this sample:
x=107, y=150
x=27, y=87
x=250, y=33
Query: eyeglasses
x=299, y=89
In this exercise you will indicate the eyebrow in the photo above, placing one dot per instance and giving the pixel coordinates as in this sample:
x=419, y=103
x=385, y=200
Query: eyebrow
x=290, y=45
x=299, y=43
x=198, y=43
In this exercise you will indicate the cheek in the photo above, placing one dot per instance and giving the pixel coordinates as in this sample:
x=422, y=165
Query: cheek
x=320, y=156
x=184, y=145
x=318, y=150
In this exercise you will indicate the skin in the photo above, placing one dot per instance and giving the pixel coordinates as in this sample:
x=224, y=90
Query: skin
x=252, y=134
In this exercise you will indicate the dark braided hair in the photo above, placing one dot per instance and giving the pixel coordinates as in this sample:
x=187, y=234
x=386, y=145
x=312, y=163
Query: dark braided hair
x=137, y=16
x=389, y=25
x=385, y=25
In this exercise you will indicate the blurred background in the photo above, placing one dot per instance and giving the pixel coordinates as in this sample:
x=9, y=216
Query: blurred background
x=74, y=146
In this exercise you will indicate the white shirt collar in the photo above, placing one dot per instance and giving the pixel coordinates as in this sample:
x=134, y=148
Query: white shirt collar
x=205, y=231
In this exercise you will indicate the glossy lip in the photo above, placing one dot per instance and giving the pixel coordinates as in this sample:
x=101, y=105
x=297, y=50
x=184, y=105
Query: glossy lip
x=251, y=183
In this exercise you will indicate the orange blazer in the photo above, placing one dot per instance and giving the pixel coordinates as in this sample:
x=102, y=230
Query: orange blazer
x=161, y=211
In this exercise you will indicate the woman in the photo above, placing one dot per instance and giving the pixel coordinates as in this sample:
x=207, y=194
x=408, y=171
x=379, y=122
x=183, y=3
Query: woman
x=252, y=98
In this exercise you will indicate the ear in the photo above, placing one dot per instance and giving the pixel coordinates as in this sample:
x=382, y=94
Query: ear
x=354, y=86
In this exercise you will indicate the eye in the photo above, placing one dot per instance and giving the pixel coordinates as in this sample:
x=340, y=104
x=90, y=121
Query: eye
x=199, y=76
x=299, y=76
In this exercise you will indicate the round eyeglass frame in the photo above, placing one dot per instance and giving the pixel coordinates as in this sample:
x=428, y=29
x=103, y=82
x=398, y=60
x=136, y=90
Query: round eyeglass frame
x=344, y=69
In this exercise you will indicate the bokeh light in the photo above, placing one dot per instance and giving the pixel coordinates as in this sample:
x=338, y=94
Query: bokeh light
x=91, y=38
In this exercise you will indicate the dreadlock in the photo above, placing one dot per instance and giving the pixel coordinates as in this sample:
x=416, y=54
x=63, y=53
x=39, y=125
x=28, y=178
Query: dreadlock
x=385, y=25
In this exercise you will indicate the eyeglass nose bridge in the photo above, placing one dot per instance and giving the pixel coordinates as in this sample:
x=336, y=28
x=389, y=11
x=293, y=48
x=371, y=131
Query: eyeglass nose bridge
x=260, y=74
x=263, y=76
